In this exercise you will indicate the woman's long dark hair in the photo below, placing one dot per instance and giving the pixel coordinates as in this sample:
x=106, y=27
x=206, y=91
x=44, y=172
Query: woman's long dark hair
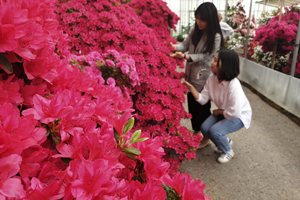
x=207, y=12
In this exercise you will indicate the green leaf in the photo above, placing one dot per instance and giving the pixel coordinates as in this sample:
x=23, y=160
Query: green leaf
x=142, y=139
x=48, y=132
x=116, y=134
x=128, y=125
x=19, y=57
x=135, y=136
x=132, y=151
x=171, y=193
x=6, y=64
x=129, y=155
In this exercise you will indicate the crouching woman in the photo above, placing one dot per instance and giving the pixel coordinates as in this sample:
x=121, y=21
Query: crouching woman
x=234, y=110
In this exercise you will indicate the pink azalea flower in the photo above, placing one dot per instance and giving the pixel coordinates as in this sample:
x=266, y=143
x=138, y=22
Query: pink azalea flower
x=39, y=190
x=12, y=91
x=110, y=62
x=92, y=178
x=125, y=68
x=32, y=159
x=7, y=38
x=48, y=110
x=111, y=82
x=151, y=191
x=10, y=186
x=190, y=190
x=119, y=122
x=28, y=91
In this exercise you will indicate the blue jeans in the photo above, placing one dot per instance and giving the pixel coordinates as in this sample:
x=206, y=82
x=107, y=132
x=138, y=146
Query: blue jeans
x=217, y=127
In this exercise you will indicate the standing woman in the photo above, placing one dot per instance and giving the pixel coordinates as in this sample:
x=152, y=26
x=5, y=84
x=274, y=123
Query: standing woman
x=203, y=42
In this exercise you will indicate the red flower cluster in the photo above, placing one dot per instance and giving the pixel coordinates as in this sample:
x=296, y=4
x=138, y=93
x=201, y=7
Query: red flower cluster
x=157, y=16
x=66, y=130
x=251, y=47
x=141, y=30
x=283, y=32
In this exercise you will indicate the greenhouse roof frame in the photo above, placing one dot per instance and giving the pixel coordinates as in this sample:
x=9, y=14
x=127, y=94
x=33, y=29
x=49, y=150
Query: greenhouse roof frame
x=275, y=3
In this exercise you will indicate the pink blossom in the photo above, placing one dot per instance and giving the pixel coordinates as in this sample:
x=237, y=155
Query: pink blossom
x=111, y=82
x=69, y=112
x=110, y=62
x=190, y=190
x=10, y=186
x=92, y=178
x=48, y=110
x=7, y=38
x=125, y=68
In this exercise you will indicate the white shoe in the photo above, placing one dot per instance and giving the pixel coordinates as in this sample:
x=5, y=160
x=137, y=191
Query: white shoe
x=224, y=158
x=219, y=151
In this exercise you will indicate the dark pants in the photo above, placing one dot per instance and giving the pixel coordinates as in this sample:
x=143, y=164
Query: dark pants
x=199, y=113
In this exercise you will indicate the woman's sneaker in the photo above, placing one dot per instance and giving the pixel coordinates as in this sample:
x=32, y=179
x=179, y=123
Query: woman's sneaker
x=219, y=151
x=224, y=158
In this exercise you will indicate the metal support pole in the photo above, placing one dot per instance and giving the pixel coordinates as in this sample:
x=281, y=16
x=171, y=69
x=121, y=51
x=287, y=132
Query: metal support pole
x=248, y=28
x=295, y=54
x=188, y=12
x=226, y=8
x=180, y=22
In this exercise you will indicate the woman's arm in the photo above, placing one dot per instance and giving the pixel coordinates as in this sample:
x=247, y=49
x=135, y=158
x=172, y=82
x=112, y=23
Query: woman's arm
x=180, y=55
x=202, y=97
x=194, y=92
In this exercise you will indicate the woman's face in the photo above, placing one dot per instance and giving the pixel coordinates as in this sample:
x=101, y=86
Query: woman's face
x=214, y=64
x=202, y=25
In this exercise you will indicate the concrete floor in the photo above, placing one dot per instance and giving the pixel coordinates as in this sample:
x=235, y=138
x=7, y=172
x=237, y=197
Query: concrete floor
x=266, y=165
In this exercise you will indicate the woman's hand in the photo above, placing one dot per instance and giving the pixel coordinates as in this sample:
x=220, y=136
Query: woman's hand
x=174, y=46
x=194, y=92
x=218, y=112
x=177, y=55
x=184, y=82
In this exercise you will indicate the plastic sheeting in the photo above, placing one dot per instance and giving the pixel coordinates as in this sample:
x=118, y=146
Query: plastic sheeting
x=282, y=89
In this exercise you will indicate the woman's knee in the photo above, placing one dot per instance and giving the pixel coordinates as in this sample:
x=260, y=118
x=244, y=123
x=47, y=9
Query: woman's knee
x=204, y=129
x=215, y=132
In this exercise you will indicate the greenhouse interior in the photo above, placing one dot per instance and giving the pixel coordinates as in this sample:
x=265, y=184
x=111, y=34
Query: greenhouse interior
x=147, y=99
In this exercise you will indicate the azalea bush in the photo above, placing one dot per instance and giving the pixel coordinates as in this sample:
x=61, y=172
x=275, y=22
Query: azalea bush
x=140, y=29
x=283, y=33
x=116, y=69
x=156, y=15
x=238, y=20
x=68, y=123
x=287, y=69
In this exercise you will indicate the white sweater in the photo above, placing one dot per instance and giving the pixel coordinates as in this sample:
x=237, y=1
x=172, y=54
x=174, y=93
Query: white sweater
x=228, y=96
x=227, y=31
